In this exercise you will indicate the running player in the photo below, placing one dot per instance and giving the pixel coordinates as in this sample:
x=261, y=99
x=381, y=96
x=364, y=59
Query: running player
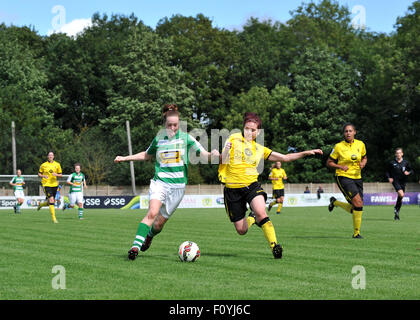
x=238, y=171
x=49, y=171
x=348, y=158
x=277, y=175
x=397, y=172
x=171, y=149
x=17, y=183
x=77, y=182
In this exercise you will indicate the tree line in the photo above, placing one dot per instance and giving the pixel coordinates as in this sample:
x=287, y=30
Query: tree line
x=305, y=77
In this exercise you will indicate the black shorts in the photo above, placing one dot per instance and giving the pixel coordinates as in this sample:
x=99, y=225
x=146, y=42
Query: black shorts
x=277, y=193
x=50, y=191
x=398, y=185
x=236, y=199
x=350, y=187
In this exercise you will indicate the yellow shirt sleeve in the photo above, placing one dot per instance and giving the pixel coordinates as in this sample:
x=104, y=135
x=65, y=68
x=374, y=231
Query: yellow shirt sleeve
x=334, y=153
x=363, y=152
x=267, y=153
x=284, y=174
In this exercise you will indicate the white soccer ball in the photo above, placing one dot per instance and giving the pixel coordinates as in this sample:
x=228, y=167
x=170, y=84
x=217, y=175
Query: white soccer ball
x=188, y=251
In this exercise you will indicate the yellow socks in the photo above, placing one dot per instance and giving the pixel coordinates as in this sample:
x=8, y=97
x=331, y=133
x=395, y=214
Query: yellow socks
x=279, y=207
x=251, y=221
x=344, y=205
x=52, y=211
x=269, y=232
x=43, y=204
x=357, y=221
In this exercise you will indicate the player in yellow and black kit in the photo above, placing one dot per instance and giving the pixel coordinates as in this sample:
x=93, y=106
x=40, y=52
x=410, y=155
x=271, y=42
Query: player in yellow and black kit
x=49, y=172
x=277, y=175
x=238, y=170
x=348, y=158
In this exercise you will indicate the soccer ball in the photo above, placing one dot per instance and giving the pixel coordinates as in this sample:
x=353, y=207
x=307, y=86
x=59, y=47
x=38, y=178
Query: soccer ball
x=188, y=251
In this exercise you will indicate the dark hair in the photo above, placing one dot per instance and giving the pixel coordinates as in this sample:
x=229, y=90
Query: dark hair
x=399, y=148
x=349, y=124
x=252, y=117
x=170, y=110
x=77, y=164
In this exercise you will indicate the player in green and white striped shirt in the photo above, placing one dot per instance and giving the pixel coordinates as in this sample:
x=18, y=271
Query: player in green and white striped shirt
x=77, y=182
x=17, y=183
x=171, y=149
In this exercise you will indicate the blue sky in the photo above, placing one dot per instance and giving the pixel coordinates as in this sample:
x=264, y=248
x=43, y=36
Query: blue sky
x=378, y=15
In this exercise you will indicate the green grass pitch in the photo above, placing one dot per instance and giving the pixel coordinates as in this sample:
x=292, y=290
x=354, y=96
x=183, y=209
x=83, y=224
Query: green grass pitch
x=318, y=257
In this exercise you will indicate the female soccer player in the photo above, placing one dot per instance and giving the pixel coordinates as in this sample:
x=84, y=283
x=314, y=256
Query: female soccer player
x=397, y=172
x=238, y=171
x=77, y=182
x=277, y=175
x=171, y=148
x=17, y=183
x=348, y=158
x=49, y=171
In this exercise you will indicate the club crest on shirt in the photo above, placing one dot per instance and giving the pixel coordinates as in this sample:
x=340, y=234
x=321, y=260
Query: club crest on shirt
x=248, y=152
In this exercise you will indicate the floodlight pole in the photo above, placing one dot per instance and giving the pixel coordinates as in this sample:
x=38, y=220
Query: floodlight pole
x=130, y=152
x=14, y=147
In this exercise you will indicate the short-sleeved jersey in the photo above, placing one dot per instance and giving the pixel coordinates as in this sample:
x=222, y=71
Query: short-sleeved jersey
x=19, y=183
x=48, y=168
x=395, y=170
x=172, y=157
x=241, y=168
x=350, y=155
x=280, y=174
x=77, y=180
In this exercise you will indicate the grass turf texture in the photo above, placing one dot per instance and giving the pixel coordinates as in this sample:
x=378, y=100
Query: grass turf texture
x=318, y=257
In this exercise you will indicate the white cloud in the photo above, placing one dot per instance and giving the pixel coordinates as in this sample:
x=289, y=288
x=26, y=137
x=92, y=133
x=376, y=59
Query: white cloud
x=73, y=28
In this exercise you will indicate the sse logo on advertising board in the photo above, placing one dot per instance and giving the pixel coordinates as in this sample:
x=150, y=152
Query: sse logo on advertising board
x=111, y=202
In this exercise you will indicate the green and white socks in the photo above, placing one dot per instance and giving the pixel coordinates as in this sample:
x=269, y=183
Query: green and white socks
x=80, y=213
x=141, y=235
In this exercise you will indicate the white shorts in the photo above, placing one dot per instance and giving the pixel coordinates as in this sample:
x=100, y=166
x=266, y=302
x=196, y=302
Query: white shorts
x=75, y=197
x=19, y=194
x=170, y=197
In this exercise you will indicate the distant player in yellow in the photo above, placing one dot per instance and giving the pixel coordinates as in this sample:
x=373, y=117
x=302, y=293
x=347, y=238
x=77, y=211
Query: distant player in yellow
x=277, y=175
x=49, y=172
x=348, y=158
x=238, y=171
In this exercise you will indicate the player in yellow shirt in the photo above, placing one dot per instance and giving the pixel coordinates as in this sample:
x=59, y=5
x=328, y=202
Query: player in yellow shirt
x=348, y=158
x=239, y=172
x=49, y=171
x=277, y=175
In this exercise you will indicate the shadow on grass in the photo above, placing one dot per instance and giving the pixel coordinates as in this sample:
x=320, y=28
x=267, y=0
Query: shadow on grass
x=318, y=237
x=215, y=254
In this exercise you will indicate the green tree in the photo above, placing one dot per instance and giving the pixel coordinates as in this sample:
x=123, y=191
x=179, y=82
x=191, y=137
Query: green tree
x=325, y=89
x=263, y=56
x=23, y=99
x=205, y=54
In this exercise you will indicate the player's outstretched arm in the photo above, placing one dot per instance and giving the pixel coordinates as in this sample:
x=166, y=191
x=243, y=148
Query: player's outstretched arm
x=141, y=156
x=276, y=156
x=213, y=156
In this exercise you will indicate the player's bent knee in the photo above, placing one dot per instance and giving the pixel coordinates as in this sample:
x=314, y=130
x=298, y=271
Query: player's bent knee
x=241, y=231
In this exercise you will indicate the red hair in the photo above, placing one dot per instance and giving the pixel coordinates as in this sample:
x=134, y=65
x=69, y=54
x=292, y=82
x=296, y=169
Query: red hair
x=252, y=117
